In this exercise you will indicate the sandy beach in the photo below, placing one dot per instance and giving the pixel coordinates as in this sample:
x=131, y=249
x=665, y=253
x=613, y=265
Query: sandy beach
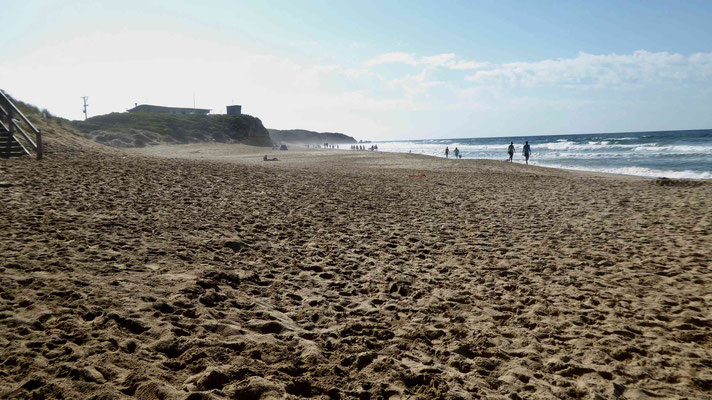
x=202, y=272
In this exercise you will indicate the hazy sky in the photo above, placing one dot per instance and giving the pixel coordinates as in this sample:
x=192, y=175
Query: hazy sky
x=373, y=69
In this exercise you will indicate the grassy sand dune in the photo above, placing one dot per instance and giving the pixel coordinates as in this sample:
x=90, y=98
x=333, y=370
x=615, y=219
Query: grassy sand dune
x=208, y=274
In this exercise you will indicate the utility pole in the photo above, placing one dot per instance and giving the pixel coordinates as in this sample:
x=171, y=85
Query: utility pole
x=85, y=98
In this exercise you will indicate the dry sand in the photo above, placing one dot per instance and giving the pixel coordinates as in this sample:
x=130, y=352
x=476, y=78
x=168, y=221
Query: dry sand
x=333, y=274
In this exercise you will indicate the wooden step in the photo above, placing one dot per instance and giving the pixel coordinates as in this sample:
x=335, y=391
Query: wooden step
x=9, y=143
x=13, y=154
x=9, y=147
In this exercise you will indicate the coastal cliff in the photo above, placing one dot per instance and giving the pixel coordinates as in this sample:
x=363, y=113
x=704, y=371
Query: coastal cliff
x=143, y=129
x=302, y=136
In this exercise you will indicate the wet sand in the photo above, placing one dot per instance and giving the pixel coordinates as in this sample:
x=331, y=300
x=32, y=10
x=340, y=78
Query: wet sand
x=202, y=272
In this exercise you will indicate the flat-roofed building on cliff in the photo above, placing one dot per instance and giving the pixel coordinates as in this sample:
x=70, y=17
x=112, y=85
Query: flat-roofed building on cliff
x=148, y=108
x=234, y=110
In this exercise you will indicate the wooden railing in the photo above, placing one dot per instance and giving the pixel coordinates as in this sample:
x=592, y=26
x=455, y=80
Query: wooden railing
x=13, y=121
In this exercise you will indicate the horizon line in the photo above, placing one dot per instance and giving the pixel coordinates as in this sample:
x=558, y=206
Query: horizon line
x=540, y=135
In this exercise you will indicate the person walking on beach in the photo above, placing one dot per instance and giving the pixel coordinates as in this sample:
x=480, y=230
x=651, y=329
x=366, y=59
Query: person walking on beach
x=456, y=152
x=527, y=151
x=447, y=152
x=510, y=150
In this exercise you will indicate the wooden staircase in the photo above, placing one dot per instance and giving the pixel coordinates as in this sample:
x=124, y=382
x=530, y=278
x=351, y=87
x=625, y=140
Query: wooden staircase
x=9, y=147
x=14, y=127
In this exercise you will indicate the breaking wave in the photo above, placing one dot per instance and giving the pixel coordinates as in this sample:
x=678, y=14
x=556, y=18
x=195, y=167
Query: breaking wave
x=640, y=171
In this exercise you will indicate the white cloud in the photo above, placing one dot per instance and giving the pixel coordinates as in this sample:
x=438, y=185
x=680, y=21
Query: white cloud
x=584, y=70
x=430, y=84
x=439, y=60
x=414, y=84
x=589, y=70
x=465, y=65
x=355, y=73
x=446, y=60
x=391, y=58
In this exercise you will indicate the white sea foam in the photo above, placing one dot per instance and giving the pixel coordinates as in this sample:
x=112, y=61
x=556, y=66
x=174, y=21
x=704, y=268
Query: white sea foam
x=438, y=148
x=558, y=146
x=568, y=145
x=640, y=171
x=674, y=149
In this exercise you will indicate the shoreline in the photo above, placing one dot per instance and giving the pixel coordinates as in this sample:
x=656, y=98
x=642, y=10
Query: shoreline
x=674, y=155
x=238, y=153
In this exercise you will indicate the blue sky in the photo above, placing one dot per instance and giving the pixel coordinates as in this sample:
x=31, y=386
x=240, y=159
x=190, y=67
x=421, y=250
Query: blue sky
x=376, y=70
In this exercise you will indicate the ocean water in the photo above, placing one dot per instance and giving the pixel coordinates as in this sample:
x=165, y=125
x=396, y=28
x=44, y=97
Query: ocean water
x=672, y=154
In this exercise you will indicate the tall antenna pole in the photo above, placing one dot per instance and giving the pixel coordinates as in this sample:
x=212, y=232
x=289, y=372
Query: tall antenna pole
x=85, y=98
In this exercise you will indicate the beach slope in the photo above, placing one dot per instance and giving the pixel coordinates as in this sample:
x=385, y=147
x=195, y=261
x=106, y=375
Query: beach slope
x=202, y=272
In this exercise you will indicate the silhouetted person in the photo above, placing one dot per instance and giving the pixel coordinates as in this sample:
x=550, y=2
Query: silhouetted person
x=456, y=152
x=447, y=152
x=510, y=150
x=527, y=151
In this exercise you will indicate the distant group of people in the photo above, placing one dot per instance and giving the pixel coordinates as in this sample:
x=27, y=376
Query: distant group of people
x=526, y=151
x=361, y=147
x=282, y=147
